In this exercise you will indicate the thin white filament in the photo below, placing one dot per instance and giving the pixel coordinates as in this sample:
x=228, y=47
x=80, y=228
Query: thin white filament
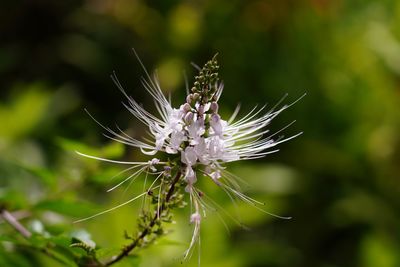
x=114, y=208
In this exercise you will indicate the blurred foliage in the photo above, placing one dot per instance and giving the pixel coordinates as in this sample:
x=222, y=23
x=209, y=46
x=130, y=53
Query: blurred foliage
x=339, y=180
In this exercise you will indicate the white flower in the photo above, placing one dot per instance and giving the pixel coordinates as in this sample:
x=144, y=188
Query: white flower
x=177, y=137
x=201, y=150
x=217, y=124
x=195, y=217
x=189, y=156
x=197, y=139
x=190, y=178
x=195, y=129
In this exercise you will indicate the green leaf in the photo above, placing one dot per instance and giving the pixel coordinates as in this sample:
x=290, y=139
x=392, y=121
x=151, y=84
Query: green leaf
x=107, y=175
x=64, y=257
x=12, y=199
x=61, y=240
x=37, y=241
x=111, y=150
x=102, y=253
x=13, y=259
x=8, y=238
x=66, y=207
x=134, y=260
x=169, y=242
x=45, y=175
x=24, y=112
x=378, y=249
x=54, y=247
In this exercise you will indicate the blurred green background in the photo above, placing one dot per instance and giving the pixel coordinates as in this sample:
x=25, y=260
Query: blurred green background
x=339, y=180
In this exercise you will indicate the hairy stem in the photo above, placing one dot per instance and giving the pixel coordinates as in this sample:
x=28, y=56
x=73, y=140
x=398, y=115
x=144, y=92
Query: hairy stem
x=127, y=249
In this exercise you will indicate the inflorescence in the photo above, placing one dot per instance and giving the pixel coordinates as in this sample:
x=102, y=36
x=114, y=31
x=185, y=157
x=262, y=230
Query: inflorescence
x=197, y=143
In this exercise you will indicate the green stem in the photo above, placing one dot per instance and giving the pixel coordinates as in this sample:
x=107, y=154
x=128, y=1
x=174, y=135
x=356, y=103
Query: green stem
x=126, y=250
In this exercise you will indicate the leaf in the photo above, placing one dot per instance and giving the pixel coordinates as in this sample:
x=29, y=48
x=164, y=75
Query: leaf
x=107, y=175
x=55, y=247
x=102, y=253
x=13, y=259
x=134, y=260
x=37, y=241
x=13, y=199
x=61, y=240
x=45, y=175
x=67, y=207
x=77, y=243
x=111, y=150
x=7, y=238
x=169, y=242
x=24, y=112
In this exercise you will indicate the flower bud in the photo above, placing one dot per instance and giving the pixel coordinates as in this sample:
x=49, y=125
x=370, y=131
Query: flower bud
x=153, y=162
x=216, y=125
x=189, y=99
x=186, y=107
x=189, y=117
x=195, y=218
x=214, y=107
x=167, y=171
x=200, y=110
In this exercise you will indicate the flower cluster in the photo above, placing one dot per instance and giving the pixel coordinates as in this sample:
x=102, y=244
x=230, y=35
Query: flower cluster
x=197, y=140
x=196, y=131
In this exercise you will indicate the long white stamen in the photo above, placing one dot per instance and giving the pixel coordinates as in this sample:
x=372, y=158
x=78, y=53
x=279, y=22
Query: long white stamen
x=196, y=230
x=116, y=161
x=114, y=208
x=132, y=176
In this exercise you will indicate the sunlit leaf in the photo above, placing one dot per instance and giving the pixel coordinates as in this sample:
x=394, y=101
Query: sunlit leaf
x=379, y=250
x=103, y=253
x=67, y=207
x=13, y=199
x=113, y=149
x=45, y=175
x=24, y=112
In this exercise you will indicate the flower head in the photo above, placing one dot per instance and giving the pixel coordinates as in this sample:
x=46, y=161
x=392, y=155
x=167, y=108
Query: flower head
x=197, y=141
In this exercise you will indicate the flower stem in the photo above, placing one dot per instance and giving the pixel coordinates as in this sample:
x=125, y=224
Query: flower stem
x=11, y=220
x=127, y=249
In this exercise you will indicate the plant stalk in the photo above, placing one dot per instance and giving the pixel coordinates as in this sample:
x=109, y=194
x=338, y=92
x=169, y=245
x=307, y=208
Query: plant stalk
x=11, y=220
x=126, y=250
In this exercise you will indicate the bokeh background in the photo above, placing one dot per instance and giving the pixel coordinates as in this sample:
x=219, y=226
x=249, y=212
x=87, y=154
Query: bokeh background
x=339, y=180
